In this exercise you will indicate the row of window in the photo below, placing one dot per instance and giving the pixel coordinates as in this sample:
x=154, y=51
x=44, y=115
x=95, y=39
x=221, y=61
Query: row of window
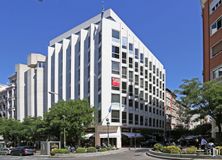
x=217, y=73
x=152, y=78
x=214, y=5
x=115, y=98
x=115, y=54
x=136, y=92
x=139, y=120
x=216, y=49
x=216, y=25
x=136, y=119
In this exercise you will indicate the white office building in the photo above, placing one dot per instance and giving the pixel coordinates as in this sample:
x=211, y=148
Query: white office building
x=31, y=87
x=103, y=61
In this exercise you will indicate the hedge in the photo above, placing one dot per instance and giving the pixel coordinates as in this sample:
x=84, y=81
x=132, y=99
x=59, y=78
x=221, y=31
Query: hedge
x=171, y=149
x=102, y=150
x=91, y=149
x=191, y=150
x=158, y=147
x=60, y=151
x=81, y=150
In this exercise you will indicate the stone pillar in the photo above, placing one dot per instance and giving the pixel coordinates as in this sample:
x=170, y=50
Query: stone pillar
x=119, y=138
x=97, y=137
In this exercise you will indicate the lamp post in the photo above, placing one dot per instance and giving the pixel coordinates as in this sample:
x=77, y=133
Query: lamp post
x=64, y=130
x=107, y=123
x=63, y=116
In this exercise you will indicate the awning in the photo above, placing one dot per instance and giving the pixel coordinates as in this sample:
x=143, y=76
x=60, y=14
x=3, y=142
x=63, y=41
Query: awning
x=132, y=135
x=87, y=136
x=111, y=135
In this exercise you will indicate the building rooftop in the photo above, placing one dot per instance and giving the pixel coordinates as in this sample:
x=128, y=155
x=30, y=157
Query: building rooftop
x=203, y=2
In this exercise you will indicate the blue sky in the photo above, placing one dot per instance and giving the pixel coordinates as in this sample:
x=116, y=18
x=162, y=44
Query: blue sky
x=171, y=29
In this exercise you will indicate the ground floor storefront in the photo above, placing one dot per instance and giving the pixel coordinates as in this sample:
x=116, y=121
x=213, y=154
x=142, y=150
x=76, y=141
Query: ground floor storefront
x=122, y=136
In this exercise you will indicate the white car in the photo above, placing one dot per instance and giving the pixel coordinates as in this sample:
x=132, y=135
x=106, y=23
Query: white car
x=5, y=151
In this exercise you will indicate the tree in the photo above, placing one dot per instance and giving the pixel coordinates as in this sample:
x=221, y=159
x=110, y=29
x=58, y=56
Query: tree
x=10, y=129
x=33, y=129
x=73, y=115
x=203, y=98
x=202, y=129
x=178, y=131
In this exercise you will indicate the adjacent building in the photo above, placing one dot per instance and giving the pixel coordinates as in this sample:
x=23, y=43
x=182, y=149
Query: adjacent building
x=103, y=61
x=175, y=112
x=212, y=42
x=8, y=99
x=31, y=87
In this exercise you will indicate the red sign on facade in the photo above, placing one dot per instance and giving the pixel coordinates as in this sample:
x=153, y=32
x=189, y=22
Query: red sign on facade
x=115, y=82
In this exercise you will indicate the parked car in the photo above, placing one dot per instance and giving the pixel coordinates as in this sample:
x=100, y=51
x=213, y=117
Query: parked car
x=148, y=143
x=22, y=151
x=5, y=151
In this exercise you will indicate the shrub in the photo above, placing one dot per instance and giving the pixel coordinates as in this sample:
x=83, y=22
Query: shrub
x=158, y=147
x=80, y=150
x=109, y=148
x=171, y=149
x=191, y=150
x=60, y=151
x=102, y=150
x=91, y=149
x=220, y=149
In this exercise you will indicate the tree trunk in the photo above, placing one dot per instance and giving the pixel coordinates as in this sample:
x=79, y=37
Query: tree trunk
x=219, y=128
x=78, y=141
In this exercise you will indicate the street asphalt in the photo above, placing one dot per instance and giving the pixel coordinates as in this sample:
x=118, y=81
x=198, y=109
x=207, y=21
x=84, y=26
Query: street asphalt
x=135, y=154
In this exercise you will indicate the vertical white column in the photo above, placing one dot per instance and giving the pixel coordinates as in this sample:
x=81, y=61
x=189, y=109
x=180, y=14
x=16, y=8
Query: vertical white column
x=39, y=91
x=119, y=137
x=12, y=104
x=64, y=49
x=49, y=60
x=92, y=64
x=20, y=83
x=58, y=47
x=74, y=39
x=30, y=92
x=83, y=34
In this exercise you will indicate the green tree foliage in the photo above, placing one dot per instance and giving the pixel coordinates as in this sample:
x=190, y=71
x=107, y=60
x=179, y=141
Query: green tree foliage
x=178, y=131
x=11, y=131
x=15, y=132
x=75, y=116
x=203, y=98
x=202, y=129
x=33, y=129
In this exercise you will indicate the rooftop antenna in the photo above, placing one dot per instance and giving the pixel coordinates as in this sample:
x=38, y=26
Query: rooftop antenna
x=103, y=8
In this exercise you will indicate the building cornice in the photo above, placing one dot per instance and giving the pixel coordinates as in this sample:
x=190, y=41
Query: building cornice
x=203, y=3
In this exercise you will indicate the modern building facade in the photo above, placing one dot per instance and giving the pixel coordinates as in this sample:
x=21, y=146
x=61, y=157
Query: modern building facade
x=31, y=87
x=8, y=99
x=103, y=61
x=212, y=42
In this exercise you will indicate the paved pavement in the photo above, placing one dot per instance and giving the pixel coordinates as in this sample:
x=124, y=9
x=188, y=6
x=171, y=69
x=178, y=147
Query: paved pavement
x=135, y=154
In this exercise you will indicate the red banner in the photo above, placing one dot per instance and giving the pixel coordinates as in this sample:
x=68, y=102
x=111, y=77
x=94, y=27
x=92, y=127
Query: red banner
x=115, y=82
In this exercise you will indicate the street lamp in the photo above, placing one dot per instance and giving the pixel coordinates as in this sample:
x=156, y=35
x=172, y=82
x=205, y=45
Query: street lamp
x=64, y=130
x=107, y=123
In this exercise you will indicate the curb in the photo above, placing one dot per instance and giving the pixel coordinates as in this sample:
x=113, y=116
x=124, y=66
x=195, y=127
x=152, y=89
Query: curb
x=164, y=157
x=78, y=155
x=171, y=157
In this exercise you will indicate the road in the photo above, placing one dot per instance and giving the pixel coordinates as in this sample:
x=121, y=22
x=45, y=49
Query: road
x=139, y=154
